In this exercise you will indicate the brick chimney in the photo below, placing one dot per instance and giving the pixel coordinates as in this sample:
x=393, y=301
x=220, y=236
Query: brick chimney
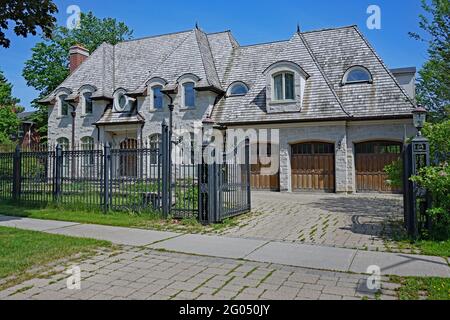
x=78, y=55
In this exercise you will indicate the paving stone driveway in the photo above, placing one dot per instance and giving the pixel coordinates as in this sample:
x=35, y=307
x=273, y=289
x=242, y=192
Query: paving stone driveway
x=141, y=273
x=349, y=221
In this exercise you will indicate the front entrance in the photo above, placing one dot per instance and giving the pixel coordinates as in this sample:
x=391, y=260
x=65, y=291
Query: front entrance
x=312, y=166
x=128, y=158
x=371, y=159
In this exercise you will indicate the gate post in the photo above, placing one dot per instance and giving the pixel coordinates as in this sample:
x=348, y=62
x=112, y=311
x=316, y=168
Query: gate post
x=247, y=169
x=16, y=174
x=166, y=167
x=106, y=176
x=58, y=173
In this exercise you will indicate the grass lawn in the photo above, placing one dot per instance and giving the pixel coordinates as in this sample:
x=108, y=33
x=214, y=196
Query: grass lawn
x=21, y=250
x=414, y=288
x=151, y=221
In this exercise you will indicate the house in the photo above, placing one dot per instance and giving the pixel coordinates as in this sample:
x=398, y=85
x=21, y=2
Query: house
x=28, y=137
x=342, y=115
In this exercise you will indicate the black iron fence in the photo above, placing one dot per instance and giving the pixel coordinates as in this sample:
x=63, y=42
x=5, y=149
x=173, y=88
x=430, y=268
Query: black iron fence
x=133, y=177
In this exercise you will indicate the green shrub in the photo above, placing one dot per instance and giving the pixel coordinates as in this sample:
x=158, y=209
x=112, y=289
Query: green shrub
x=395, y=174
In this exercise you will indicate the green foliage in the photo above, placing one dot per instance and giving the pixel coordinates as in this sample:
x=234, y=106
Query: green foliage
x=49, y=63
x=27, y=16
x=434, y=81
x=437, y=181
x=9, y=122
x=415, y=288
x=439, y=136
x=395, y=174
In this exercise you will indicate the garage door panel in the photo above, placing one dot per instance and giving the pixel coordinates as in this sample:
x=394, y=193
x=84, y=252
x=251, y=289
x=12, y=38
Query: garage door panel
x=371, y=159
x=312, y=167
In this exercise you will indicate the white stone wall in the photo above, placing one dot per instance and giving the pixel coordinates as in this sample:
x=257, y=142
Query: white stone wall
x=59, y=127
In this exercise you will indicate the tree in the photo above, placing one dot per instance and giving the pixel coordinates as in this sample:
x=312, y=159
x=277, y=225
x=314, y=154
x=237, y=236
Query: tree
x=433, y=89
x=27, y=16
x=9, y=122
x=49, y=64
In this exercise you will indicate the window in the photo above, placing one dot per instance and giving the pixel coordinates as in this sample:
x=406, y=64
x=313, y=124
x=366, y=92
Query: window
x=189, y=94
x=87, y=147
x=64, y=105
x=379, y=147
x=157, y=97
x=357, y=75
x=120, y=100
x=238, y=89
x=64, y=144
x=283, y=86
x=87, y=102
x=154, y=142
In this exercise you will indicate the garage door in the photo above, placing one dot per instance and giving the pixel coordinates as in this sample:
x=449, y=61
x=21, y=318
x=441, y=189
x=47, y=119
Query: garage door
x=313, y=167
x=260, y=180
x=371, y=159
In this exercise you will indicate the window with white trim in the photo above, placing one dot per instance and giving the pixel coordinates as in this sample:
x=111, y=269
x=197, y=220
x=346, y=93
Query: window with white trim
x=157, y=97
x=87, y=96
x=283, y=86
x=357, y=74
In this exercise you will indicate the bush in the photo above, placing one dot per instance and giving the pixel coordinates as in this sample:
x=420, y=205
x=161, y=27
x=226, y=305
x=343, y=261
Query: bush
x=395, y=174
x=437, y=181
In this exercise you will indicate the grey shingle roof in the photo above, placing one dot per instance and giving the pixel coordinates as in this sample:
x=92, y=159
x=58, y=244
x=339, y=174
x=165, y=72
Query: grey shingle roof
x=218, y=60
x=111, y=118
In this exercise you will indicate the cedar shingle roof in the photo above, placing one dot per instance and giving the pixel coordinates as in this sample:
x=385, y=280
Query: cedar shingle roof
x=218, y=60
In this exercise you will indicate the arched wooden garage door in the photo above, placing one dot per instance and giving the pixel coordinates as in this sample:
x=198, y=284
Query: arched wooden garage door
x=312, y=167
x=371, y=159
x=259, y=180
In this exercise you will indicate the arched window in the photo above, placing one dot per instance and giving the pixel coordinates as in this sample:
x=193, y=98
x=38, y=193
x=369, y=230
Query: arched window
x=154, y=141
x=88, y=158
x=157, y=97
x=189, y=94
x=87, y=143
x=357, y=75
x=64, y=143
x=87, y=96
x=64, y=105
x=238, y=89
x=283, y=86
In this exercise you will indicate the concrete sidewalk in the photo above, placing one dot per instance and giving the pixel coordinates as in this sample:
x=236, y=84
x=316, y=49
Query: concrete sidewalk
x=283, y=253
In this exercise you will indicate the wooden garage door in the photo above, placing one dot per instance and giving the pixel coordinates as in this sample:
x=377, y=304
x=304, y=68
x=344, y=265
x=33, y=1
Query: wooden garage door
x=313, y=167
x=258, y=179
x=371, y=159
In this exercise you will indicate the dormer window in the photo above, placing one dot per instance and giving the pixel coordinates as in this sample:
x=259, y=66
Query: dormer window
x=283, y=86
x=357, y=74
x=64, y=105
x=237, y=89
x=189, y=94
x=157, y=97
x=87, y=96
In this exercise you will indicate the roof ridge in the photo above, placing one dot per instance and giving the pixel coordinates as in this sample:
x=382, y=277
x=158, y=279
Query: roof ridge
x=263, y=43
x=329, y=29
x=327, y=81
x=155, y=36
x=384, y=66
x=203, y=59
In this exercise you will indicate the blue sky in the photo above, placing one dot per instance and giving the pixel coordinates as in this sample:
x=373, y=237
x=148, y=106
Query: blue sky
x=250, y=21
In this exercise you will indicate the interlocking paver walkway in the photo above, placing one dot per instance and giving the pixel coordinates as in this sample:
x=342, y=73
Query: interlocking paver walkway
x=143, y=273
x=348, y=221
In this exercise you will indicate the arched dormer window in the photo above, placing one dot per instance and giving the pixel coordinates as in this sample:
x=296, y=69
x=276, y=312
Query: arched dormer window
x=188, y=94
x=155, y=95
x=357, y=74
x=237, y=89
x=285, y=86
